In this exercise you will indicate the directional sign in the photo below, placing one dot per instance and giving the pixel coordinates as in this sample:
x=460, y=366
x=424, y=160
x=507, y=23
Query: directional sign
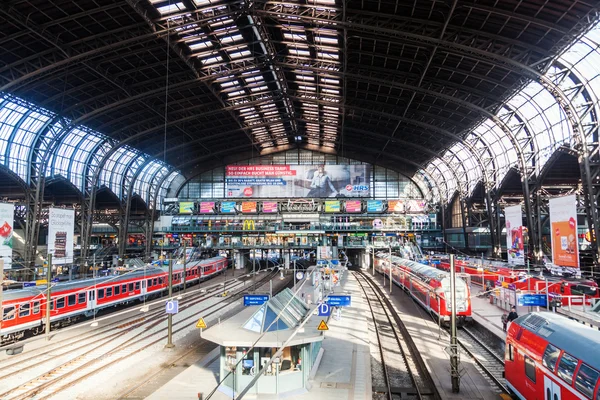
x=532, y=300
x=172, y=307
x=28, y=284
x=255, y=299
x=201, y=324
x=323, y=326
x=339, y=301
x=324, y=310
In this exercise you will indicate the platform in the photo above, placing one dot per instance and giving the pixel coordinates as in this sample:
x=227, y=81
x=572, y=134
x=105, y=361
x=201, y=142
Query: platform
x=343, y=372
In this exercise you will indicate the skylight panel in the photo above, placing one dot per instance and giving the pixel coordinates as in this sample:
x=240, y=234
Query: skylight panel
x=305, y=78
x=258, y=89
x=202, y=3
x=171, y=8
x=236, y=93
x=211, y=60
x=330, y=81
x=326, y=40
x=295, y=37
x=239, y=54
x=230, y=39
x=298, y=52
x=200, y=45
x=327, y=56
x=229, y=84
x=309, y=88
x=221, y=22
x=333, y=91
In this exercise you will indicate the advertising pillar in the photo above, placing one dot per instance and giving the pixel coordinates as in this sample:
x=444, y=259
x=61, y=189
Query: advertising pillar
x=563, y=231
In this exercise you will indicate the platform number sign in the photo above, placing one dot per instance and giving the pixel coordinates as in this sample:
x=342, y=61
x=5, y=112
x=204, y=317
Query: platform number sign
x=172, y=307
x=324, y=310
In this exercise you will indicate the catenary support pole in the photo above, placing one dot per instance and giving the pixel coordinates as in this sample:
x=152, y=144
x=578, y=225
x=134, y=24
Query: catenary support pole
x=48, y=295
x=184, y=261
x=390, y=269
x=170, y=316
x=454, y=364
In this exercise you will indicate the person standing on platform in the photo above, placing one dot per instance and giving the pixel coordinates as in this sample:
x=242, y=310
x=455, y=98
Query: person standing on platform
x=512, y=315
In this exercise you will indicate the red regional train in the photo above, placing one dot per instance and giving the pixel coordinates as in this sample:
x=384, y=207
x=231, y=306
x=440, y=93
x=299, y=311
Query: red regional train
x=517, y=277
x=429, y=286
x=24, y=310
x=551, y=357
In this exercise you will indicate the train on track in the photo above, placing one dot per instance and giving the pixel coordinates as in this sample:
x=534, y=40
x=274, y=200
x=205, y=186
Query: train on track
x=429, y=286
x=497, y=275
x=551, y=357
x=24, y=311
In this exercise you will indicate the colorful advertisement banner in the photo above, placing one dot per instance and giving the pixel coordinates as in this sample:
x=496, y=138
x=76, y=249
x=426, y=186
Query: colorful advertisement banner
x=312, y=181
x=353, y=206
x=61, y=225
x=7, y=215
x=332, y=206
x=249, y=207
x=374, y=206
x=207, y=207
x=515, y=244
x=269, y=207
x=228, y=207
x=396, y=206
x=415, y=205
x=563, y=231
x=186, y=207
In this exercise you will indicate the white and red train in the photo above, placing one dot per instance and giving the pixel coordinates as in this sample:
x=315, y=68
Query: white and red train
x=429, y=286
x=24, y=310
x=551, y=357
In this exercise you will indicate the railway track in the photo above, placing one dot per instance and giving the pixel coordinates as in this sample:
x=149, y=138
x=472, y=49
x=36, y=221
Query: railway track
x=487, y=360
x=403, y=370
x=132, y=339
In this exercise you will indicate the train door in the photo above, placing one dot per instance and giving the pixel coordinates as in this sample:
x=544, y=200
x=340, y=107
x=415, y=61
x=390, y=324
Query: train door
x=551, y=389
x=91, y=304
x=144, y=288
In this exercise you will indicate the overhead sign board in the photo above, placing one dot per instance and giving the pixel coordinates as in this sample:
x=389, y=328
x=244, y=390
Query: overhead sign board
x=339, y=301
x=186, y=207
x=228, y=207
x=255, y=299
x=353, y=206
x=332, y=206
x=324, y=310
x=374, y=206
x=532, y=300
x=172, y=307
x=207, y=207
x=269, y=207
x=248, y=207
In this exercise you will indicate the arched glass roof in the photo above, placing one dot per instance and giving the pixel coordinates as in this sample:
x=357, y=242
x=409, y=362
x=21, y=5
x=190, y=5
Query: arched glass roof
x=76, y=153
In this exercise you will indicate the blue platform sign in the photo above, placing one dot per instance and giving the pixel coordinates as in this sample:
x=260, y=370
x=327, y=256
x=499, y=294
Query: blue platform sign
x=339, y=301
x=324, y=310
x=172, y=307
x=532, y=300
x=28, y=284
x=255, y=299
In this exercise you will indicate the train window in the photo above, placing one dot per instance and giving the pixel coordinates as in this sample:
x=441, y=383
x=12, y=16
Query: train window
x=24, y=310
x=36, y=307
x=566, y=367
x=130, y=287
x=123, y=288
x=585, y=381
x=161, y=281
x=60, y=302
x=100, y=293
x=149, y=282
x=109, y=292
x=81, y=298
x=550, y=357
x=117, y=290
x=530, y=369
x=137, y=286
x=72, y=300
x=51, y=305
x=154, y=282
x=8, y=313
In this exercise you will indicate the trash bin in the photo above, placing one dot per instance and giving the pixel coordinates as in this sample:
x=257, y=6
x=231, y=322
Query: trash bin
x=491, y=299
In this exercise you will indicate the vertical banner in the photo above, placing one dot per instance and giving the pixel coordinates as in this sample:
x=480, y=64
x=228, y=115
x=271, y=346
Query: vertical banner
x=61, y=224
x=515, y=246
x=7, y=215
x=563, y=231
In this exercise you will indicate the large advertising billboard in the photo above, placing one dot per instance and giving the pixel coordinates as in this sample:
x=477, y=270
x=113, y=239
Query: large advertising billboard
x=374, y=206
x=249, y=206
x=332, y=206
x=228, y=207
x=269, y=207
x=312, y=181
x=7, y=215
x=563, y=231
x=353, y=206
x=186, y=207
x=207, y=207
x=396, y=206
x=514, y=235
x=61, y=224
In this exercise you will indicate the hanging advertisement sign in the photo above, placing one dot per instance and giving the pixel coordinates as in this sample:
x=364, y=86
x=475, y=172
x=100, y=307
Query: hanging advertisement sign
x=61, y=225
x=228, y=207
x=415, y=205
x=396, y=206
x=563, y=231
x=515, y=245
x=207, y=207
x=313, y=181
x=186, y=207
x=332, y=206
x=7, y=215
x=353, y=206
x=269, y=207
x=249, y=207
x=374, y=206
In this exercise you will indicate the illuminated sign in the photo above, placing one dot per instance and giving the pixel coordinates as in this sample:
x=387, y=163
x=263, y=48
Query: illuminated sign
x=228, y=207
x=207, y=207
x=269, y=207
x=249, y=225
x=374, y=206
x=186, y=207
x=353, y=206
x=332, y=206
x=396, y=206
x=248, y=207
